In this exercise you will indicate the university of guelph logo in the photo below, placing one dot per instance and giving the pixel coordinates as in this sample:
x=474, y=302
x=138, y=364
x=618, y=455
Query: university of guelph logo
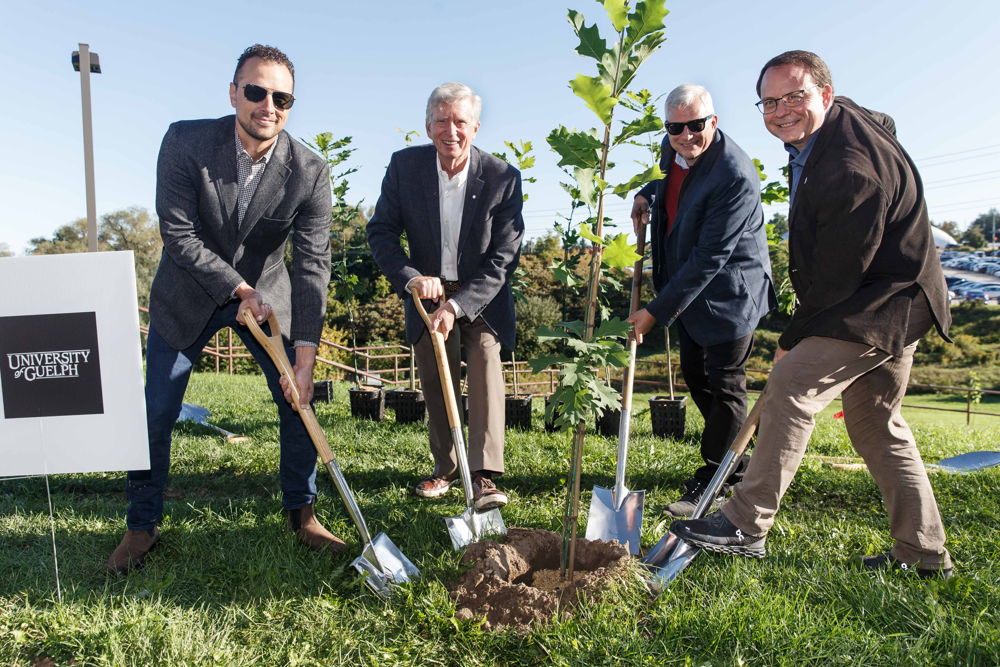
x=50, y=365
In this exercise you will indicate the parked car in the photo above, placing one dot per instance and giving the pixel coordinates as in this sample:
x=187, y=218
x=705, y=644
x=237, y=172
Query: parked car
x=978, y=295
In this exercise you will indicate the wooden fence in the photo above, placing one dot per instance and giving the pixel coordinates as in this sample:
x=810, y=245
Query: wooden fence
x=392, y=366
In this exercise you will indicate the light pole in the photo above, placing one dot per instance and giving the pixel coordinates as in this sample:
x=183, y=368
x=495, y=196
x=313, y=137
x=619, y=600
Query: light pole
x=84, y=55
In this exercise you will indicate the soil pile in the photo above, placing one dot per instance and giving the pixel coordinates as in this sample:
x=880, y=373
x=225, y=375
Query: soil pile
x=516, y=582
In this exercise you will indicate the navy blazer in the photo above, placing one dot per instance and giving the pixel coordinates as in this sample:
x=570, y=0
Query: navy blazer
x=712, y=271
x=489, y=244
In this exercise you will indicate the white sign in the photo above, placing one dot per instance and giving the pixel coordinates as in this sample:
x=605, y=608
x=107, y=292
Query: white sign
x=71, y=386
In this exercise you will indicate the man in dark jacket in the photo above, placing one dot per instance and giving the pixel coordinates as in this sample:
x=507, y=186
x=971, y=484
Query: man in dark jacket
x=460, y=211
x=710, y=270
x=229, y=193
x=869, y=285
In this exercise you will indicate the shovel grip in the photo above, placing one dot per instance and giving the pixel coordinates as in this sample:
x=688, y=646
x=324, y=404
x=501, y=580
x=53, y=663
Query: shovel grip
x=444, y=371
x=275, y=348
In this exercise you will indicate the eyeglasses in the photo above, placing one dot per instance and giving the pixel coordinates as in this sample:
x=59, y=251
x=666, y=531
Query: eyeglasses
x=791, y=100
x=696, y=125
x=255, y=93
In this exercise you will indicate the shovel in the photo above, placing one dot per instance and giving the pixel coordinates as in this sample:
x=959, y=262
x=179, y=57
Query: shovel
x=671, y=555
x=199, y=415
x=470, y=526
x=381, y=562
x=617, y=514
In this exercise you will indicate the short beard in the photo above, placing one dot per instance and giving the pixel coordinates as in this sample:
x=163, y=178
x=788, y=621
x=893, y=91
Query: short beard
x=254, y=134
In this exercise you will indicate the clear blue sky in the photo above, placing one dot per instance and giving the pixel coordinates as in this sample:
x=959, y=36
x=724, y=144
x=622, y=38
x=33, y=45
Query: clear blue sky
x=365, y=69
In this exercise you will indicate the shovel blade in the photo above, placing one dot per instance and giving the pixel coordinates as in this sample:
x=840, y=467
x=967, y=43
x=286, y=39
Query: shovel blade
x=471, y=526
x=623, y=523
x=681, y=556
x=383, y=565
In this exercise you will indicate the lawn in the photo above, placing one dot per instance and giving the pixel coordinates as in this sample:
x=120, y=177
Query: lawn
x=229, y=586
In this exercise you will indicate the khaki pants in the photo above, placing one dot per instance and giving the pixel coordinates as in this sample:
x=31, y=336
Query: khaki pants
x=872, y=384
x=486, y=396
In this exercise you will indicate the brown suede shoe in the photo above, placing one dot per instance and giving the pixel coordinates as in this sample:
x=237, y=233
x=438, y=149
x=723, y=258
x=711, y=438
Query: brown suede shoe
x=311, y=532
x=131, y=552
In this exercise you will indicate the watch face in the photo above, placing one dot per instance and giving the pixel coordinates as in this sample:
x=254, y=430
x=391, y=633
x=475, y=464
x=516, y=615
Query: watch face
x=50, y=365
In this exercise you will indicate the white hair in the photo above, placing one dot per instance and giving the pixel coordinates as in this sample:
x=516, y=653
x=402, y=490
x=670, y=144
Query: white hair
x=688, y=95
x=451, y=92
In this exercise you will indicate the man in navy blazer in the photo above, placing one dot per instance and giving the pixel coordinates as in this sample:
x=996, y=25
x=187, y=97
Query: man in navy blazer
x=229, y=193
x=460, y=211
x=710, y=269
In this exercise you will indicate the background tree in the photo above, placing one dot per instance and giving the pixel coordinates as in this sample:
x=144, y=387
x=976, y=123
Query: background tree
x=5, y=250
x=973, y=237
x=125, y=229
x=949, y=227
x=985, y=223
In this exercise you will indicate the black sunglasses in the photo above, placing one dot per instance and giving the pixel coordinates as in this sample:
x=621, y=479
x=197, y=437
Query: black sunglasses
x=255, y=93
x=696, y=125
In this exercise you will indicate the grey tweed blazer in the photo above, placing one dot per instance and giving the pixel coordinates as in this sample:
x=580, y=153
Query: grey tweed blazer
x=207, y=253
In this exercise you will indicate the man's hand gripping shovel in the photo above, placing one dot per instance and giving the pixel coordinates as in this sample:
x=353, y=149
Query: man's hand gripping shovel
x=381, y=562
x=470, y=526
x=671, y=555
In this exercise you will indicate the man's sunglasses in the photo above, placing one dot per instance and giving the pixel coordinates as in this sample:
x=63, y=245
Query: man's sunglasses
x=281, y=100
x=696, y=125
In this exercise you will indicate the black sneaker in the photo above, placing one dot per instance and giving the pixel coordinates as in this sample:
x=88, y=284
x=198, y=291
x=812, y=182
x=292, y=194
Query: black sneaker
x=887, y=561
x=695, y=489
x=716, y=533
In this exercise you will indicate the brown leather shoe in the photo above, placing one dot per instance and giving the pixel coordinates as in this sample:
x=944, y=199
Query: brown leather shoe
x=486, y=495
x=131, y=552
x=433, y=487
x=311, y=532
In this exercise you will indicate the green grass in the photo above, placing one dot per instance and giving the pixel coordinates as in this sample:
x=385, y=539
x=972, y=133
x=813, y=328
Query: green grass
x=229, y=586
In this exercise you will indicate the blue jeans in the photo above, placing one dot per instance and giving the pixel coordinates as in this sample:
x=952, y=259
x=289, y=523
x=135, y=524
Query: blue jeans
x=167, y=374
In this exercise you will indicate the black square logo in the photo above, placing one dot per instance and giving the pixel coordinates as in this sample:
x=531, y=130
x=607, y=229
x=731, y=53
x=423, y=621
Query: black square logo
x=50, y=365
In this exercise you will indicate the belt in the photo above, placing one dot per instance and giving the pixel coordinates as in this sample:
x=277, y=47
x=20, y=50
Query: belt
x=450, y=287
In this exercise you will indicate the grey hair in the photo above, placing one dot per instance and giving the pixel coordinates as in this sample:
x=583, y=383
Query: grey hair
x=689, y=94
x=451, y=92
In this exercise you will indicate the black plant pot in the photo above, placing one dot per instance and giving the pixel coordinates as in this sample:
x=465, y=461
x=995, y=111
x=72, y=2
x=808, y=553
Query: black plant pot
x=323, y=391
x=367, y=403
x=667, y=415
x=409, y=405
x=465, y=409
x=608, y=422
x=517, y=411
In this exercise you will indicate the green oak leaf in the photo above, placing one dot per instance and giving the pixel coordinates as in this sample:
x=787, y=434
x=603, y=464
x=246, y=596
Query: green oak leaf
x=586, y=181
x=588, y=234
x=652, y=174
x=596, y=95
x=646, y=19
x=575, y=148
x=644, y=125
x=613, y=328
x=619, y=253
x=591, y=43
x=618, y=13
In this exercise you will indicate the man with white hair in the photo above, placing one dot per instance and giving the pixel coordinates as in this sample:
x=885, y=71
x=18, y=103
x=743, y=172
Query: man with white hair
x=460, y=209
x=711, y=271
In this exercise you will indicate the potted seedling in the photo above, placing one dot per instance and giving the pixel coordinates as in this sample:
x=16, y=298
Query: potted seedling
x=408, y=402
x=668, y=413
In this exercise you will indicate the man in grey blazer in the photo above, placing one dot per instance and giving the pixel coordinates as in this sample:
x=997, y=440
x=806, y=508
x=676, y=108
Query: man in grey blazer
x=229, y=193
x=460, y=210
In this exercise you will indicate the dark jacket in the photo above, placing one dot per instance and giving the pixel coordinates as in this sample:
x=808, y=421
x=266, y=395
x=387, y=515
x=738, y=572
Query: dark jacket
x=207, y=253
x=713, y=271
x=489, y=243
x=859, y=237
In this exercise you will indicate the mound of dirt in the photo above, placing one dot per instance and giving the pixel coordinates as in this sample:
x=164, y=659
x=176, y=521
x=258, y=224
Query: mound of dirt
x=517, y=582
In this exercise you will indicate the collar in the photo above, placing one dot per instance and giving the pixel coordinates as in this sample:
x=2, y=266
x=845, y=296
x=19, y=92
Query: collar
x=680, y=161
x=459, y=178
x=241, y=151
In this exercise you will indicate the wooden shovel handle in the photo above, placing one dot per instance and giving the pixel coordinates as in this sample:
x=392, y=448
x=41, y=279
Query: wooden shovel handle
x=444, y=371
x=276, y=350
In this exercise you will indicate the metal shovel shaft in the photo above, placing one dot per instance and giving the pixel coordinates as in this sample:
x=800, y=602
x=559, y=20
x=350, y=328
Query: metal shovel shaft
x=471, y=526
x=671, y=555
x=393, y=567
